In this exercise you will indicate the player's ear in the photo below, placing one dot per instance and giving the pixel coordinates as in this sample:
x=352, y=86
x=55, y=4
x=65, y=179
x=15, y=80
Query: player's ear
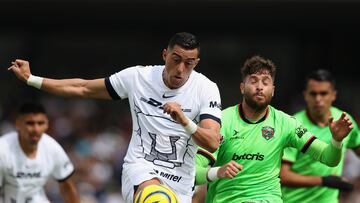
x=242, y=87
x=46, y=123
x=164, y=54
x=334, y=95
x=18, y=123
x=273, y=91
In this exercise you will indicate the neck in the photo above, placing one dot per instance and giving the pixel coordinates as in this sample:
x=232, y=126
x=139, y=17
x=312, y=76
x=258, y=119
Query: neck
x=321, y=120
x=28, y=149
x=251, y=113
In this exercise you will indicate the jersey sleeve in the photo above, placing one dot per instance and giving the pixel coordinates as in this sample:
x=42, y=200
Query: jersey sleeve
x=210, y=103
x=297, y=135
x=202, y=165
x=209, y=156
x=290, y=154
x=354, y=140
x=121, y=83
x=63, y=166
x=306, y=142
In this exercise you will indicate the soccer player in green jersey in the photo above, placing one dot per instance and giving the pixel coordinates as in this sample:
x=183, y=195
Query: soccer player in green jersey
x=304, y=179
x=255, y=135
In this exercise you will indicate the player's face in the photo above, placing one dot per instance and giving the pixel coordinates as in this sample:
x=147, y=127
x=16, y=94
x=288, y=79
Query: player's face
x=319, y=96
x=31, y=127
x=179, y=63
x=258, y=90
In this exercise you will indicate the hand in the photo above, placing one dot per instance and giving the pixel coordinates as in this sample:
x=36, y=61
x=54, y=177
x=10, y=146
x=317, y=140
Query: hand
x=337, y=182
x=21, y=69
x=176, y=113
x=229, y=170
x=340, y=128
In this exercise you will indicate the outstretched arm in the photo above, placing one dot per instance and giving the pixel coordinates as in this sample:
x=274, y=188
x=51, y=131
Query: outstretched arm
x=68, y=191
x=330, y=154
x=66, y=87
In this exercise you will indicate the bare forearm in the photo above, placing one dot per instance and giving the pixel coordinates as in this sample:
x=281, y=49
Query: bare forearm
x=76, y=88
x=295, y=180
x=65, y=87
x=208, y=139
x=70, y=194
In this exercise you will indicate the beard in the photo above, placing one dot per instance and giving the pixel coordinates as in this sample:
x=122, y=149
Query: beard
x=257, y=106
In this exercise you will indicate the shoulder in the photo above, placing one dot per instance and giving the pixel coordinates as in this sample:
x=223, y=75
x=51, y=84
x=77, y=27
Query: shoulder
x=148, y=69
x=139, y=70
x=50, y=143
x=229, y=112
x=300, y=114
x=202, y=79
x=6, y=141
x=280, y=116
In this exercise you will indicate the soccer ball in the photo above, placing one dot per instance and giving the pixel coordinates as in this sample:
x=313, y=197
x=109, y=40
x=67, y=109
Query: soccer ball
x=156, y=194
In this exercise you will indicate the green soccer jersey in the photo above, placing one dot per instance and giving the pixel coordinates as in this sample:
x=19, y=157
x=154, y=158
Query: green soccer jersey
x=305, y=165
x=259, y=148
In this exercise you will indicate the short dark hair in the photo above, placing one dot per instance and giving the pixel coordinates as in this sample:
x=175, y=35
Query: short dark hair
x=321, y=75
x=184, y=40
x=258, y=64
x=31, y=107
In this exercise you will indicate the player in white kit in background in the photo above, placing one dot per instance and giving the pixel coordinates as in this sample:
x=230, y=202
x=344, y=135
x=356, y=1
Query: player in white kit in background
x=174, y=109
x=28, y=157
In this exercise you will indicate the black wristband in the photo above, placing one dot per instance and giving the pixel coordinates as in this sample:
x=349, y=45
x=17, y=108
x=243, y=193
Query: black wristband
x=337, y=182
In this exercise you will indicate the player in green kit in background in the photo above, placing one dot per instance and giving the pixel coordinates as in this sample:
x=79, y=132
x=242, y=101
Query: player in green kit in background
x=255, y=135
x=304, y=179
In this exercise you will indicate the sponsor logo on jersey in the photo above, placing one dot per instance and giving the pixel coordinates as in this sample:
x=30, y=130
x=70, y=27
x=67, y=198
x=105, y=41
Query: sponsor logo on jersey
x=215, y=104
x=167, y=96
x=158, y=104
x=236, y=135
x=300, y=131
x=168, y=176
x=245, y=156
x=267, y=132
x=28, y=175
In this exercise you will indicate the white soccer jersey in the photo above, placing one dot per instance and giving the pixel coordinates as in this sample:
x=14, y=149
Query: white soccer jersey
x=157, y=140
x=22, y=179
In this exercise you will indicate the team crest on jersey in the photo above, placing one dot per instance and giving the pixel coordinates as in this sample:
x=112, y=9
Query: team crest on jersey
x=267, y=132
x=300, y=131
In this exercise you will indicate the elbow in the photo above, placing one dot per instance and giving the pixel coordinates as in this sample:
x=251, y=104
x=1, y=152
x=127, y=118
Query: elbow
x=213, y=147
x=283, y=180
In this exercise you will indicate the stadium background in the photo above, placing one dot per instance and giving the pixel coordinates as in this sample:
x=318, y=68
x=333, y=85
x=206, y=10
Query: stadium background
x=95, y=38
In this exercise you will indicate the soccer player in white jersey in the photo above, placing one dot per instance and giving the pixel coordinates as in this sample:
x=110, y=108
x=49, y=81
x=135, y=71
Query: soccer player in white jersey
x=174, y=109
x=28, y=157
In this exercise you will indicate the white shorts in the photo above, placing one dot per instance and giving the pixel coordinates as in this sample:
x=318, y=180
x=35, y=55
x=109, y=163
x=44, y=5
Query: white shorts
x=134, y=176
